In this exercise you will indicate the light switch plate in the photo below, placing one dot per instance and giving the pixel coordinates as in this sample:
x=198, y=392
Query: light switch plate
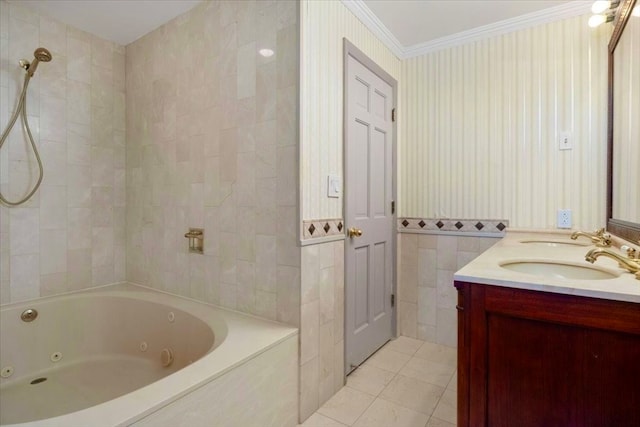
x=334, y=186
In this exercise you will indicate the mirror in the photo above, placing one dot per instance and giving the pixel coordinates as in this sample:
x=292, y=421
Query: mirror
x=623, y=195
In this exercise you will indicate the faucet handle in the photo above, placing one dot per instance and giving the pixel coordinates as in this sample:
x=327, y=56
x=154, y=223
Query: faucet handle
x=600, y=232
x=632, y=253
x=604, y=240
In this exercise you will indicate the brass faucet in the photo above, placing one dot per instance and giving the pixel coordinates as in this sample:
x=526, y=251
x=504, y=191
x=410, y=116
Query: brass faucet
x=598, y=237
x=630, y=263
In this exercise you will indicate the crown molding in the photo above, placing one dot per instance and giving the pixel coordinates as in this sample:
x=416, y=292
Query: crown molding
x=371, y=21
x=556, y=13
x=545, y=16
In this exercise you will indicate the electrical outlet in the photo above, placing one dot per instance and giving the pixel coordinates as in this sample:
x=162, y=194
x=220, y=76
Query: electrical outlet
x=564, y=218
x=565, y=143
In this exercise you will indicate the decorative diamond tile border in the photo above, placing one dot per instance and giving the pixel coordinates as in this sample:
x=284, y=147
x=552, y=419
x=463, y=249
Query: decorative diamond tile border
x=316, y=228
x=453, y=225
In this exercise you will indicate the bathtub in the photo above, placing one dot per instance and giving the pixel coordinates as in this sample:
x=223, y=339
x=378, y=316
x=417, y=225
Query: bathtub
x=125, y=355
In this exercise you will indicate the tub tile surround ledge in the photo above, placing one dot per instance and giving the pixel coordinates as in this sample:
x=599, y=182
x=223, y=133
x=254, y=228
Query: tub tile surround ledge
x=270, y=379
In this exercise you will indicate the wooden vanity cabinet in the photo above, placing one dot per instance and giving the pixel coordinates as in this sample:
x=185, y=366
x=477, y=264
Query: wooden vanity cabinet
x=530, y=358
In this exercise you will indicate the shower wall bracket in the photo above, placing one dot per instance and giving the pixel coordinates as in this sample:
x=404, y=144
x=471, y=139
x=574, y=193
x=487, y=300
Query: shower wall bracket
x=196, y=240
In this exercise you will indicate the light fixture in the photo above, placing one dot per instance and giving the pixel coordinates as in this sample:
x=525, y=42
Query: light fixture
x=604, y=11
x=600, y=6
x=596, y=20
x=266, y=52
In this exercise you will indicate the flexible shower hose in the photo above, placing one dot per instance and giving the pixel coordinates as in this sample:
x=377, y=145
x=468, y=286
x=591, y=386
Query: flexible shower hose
x=22, y=108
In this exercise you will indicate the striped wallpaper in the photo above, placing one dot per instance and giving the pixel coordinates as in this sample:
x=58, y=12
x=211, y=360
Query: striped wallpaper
x=324, y=23
x=480, y=125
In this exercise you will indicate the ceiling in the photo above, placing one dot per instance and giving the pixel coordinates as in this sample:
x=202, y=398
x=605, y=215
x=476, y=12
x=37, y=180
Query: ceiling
x=121, y=21
x=415, y=27
x=416, y=22
x=408, y=27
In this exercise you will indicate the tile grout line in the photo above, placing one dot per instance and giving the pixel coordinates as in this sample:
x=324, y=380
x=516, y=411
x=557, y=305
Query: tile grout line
x=363, y=412
x=411, y=355
x=395, y=374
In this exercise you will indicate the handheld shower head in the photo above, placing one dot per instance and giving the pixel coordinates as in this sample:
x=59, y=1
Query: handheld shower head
x=41, y=55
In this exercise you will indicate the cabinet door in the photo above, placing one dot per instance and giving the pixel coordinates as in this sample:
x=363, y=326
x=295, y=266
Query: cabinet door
x=612, y=379
x=534, y=373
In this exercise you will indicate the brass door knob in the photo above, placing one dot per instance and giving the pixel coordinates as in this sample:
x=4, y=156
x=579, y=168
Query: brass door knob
x=354, y=232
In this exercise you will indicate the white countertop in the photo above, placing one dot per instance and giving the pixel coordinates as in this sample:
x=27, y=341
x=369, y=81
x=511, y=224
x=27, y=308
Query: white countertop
x=486, y=269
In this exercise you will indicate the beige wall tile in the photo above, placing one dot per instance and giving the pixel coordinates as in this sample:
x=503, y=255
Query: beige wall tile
x=408, y=246
x=437, y=259
x=309, y=385
x=427, y=332
x=53, y=284
x=427, y=266
x=338, y=366
x=427, y=305
x=323, y=284
x=55, y=156
x=60, y=112
x=25, y=277
x=288, y=290
x=24, y=231
x=310, y=270
x=327, y=294
x=408, y=283
x=309, y=331
x=326, y=365
x=53, y=253
x=407, y=319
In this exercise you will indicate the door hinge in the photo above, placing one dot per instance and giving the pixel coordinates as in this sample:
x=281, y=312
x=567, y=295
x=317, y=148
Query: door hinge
x=393, y=114
x=393, y=206
x=393, y=300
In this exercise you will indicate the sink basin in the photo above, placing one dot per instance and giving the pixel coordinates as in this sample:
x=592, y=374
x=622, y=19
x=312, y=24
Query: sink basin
x=554, y=243
x=558, y=270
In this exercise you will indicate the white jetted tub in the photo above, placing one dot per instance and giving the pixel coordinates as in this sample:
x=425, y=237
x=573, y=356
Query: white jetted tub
x=127, y=355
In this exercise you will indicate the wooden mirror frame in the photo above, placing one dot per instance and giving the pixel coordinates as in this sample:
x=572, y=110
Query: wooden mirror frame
x=625, y=229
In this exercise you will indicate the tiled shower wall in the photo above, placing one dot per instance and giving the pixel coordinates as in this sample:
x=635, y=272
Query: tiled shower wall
x=322, y=325
x=426, y=296
x=212, y=143
x=70, y=235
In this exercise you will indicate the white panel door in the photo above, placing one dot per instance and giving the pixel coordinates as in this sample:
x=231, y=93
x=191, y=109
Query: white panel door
x=368, y=196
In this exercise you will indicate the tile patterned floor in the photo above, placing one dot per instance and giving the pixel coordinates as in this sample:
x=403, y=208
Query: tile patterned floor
x=407, y=383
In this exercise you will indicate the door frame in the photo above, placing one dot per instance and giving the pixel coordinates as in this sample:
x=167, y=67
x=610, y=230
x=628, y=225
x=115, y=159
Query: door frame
x=349, y=49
